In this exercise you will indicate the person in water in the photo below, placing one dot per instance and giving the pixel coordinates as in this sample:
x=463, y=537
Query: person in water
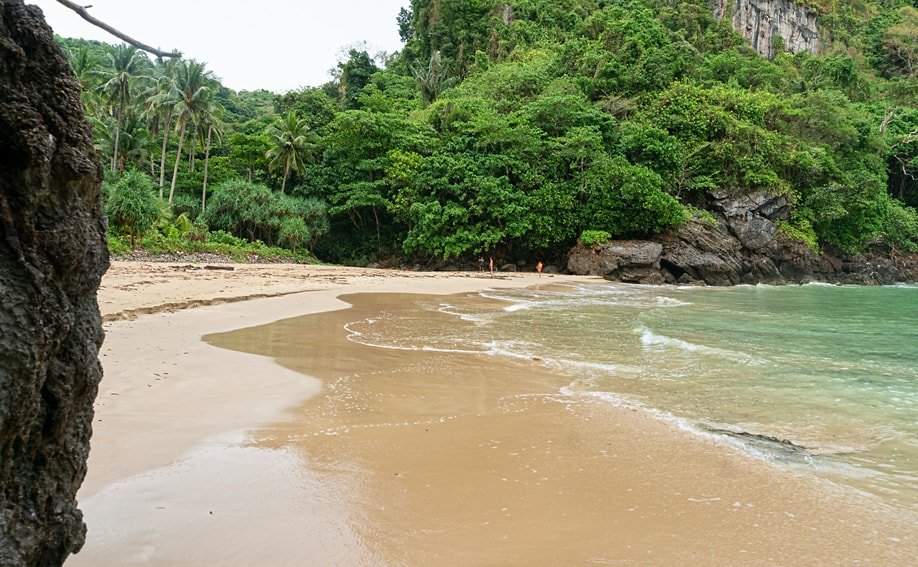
x=481, y=263
x=539, y=268
x=491, y=265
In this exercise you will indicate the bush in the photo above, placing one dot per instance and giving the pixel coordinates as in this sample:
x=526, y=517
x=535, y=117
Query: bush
x=590, y=238
x=132, y=203
x=802, y=230
x=901, y=227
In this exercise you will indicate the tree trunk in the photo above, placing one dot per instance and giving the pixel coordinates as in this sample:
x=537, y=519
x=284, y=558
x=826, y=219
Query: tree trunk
x=194, y=138
x=378, y=236
x=178, y=158
x=284, y=182
x=210, y=129
x=162, y=159
x=117, y=142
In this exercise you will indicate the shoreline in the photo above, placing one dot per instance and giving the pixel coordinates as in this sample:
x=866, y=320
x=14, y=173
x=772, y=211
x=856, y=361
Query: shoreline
x=163, y=446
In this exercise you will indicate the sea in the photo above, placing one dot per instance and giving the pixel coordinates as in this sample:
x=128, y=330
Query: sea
x=819, y=378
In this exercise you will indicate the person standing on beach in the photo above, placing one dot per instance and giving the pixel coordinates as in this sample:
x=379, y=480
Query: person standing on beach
x=539, y=268
x=481, y=263
x=491, y=265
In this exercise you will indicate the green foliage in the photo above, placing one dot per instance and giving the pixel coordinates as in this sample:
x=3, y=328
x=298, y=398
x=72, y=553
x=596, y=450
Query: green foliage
x=131, y=203
x=516, y=127
x=590, y=238
x=252, y=211
x=802, y=230
x=901, y=227
x=355, y=73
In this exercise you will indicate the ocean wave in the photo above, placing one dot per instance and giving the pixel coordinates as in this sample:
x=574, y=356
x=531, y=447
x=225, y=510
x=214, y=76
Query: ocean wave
x=651, y=339
x=763, y=447
x=477, y=318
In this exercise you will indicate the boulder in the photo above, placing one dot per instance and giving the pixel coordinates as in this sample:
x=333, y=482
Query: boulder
x=52, y=257
x=632, y=261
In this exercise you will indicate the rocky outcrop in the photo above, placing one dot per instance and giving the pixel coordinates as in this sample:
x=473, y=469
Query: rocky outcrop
x=740, y=244
x=52, y=256
x=632, y=261
x=760, y=21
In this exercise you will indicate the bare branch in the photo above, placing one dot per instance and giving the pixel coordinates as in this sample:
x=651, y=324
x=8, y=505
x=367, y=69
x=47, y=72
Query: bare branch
x=124, y=37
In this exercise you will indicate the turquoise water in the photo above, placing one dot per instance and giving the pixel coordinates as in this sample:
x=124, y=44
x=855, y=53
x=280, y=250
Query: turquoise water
x=820, y=378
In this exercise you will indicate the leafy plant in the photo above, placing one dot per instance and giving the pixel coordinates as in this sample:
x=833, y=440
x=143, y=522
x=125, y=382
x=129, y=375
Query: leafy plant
x=132, y=203
x=590, y=238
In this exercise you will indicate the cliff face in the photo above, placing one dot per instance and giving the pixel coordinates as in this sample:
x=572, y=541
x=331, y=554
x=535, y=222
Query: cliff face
x=52, y=256
x=760, y=21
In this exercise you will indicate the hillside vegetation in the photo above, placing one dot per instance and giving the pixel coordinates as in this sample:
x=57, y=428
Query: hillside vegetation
x=511, y=127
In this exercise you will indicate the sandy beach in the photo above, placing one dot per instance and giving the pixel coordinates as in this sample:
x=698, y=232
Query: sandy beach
x=292, y=445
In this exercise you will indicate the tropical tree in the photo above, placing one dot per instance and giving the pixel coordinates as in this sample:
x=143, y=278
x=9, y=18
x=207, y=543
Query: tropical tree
x=194, y=85
x=126, y=66
x=209, y=117
x=432, y=79
x=160, y=105
x=292, y=143
x=132, y=203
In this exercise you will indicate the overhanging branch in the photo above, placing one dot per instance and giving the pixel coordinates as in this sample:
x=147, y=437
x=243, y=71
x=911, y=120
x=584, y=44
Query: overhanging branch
x=120, y=35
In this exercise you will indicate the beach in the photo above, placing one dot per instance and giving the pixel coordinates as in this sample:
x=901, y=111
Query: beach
x=285, y=442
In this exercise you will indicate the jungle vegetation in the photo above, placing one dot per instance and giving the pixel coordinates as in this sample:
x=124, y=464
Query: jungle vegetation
x=514, y=127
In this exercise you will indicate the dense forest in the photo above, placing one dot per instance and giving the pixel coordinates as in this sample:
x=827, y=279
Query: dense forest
x=514, y=127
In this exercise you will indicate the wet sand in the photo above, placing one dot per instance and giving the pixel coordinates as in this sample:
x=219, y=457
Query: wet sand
x=419, y=458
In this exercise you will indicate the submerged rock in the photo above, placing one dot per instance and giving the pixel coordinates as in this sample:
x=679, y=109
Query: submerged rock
x=52, y=257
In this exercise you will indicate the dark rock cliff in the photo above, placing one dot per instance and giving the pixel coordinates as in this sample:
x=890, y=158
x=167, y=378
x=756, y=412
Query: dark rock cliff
x=741, y=244
x=52, y=257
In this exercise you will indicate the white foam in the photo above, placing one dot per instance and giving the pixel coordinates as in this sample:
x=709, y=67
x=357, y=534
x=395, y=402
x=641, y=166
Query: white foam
x=651, y=339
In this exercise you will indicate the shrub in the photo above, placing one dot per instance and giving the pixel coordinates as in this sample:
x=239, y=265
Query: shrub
x=590, y=238
x=132, y=203
x=901, y=227
x=800, y=229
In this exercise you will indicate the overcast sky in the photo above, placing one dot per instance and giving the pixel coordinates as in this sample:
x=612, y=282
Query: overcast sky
x=277, y=45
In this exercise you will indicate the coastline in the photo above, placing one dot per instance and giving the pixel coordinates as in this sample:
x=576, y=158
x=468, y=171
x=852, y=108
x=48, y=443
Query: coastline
x=167, y=396
x=195, y=466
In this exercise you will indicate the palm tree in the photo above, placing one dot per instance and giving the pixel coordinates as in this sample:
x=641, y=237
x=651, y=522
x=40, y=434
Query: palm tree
x=126, y=67
x=433, y=79
x=292, y=143
x=211, y=117
x=161, y=101
x=194, y=86
x=86, y=69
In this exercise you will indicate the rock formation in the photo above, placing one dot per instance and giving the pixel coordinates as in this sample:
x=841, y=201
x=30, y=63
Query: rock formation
x=740, y=244
x=52, y=257
x=760, y=21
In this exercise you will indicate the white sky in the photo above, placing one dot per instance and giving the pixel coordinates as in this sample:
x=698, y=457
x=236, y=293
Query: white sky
x=276, y=45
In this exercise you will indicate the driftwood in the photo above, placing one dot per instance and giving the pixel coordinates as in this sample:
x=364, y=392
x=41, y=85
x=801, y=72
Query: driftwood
x=81, y=10
x=212, y=267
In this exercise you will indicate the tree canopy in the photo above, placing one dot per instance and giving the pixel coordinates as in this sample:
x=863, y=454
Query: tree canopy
x=512, y=127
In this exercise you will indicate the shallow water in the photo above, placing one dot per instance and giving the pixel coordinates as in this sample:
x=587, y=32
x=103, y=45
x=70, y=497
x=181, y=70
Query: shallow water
x=819, y=378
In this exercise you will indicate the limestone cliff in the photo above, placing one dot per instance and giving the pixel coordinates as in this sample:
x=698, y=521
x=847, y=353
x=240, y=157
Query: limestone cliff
x=760, y=21
x=52, y=256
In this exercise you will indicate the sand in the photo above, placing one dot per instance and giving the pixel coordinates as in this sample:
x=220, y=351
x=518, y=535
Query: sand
x=208, y=456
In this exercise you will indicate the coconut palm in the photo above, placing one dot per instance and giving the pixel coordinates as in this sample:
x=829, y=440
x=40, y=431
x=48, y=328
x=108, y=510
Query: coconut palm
x=292, y=143
x=126, y=67
x=210, y=116
x=194, y=85
x=85, y=67
x=160, y=104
